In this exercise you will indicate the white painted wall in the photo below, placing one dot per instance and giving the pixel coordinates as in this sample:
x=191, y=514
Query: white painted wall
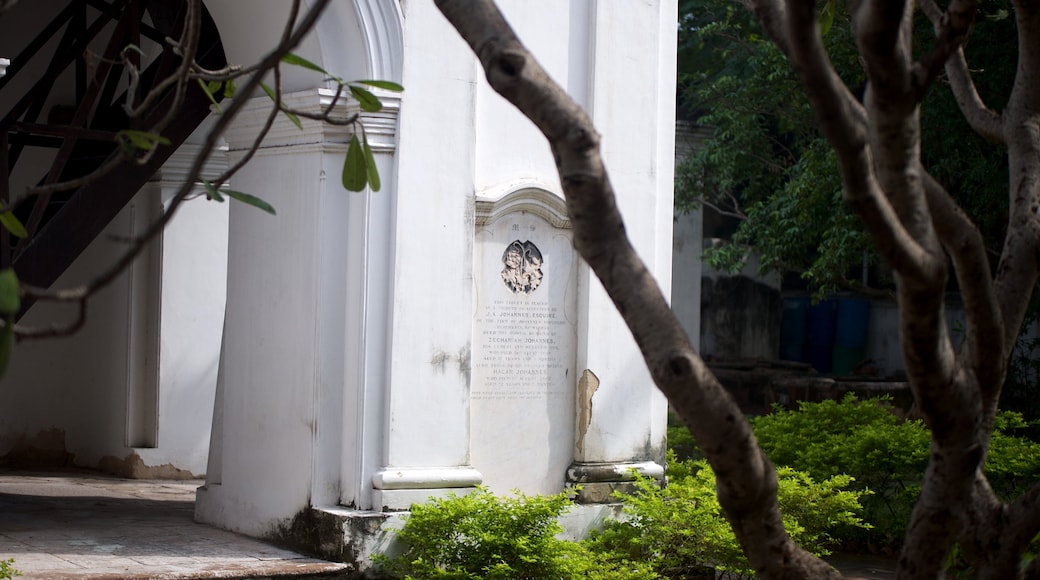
x=632, y=103
x=80, y=385
x=688, y=245
x=136, y=379
x=349, y=323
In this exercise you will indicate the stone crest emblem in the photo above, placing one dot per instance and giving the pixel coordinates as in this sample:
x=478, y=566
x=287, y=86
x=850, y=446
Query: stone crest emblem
x=522, y=273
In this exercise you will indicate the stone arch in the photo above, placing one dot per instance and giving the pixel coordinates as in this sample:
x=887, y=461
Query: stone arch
x=354, y=40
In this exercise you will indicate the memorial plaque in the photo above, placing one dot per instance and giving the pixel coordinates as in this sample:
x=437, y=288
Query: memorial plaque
x=522, y=381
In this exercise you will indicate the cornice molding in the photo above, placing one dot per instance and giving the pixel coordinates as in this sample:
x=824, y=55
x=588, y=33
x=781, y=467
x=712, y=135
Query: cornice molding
x=380, y=127
x=176, y=168
x=524, y=195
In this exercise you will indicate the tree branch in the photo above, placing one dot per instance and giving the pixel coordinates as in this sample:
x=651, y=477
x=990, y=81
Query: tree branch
x=982, y=119
x=985, y=343
x=951, y=30
x=746, y=479
x=843, y=122
x=291, y=37
x=1023, y=515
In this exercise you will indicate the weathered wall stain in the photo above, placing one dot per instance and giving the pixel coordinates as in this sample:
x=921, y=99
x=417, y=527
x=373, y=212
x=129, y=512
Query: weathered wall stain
x=133, y=467
x=587, y=385
x=45, y=449
x=440, y=359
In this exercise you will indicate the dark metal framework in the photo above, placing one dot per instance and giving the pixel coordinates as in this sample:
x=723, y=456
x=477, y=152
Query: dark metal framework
x=61, y=224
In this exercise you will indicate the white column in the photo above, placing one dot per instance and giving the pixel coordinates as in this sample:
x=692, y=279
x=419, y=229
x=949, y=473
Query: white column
x=425, y=449
x=189, y=262
x=632, y=105
x=301, y=324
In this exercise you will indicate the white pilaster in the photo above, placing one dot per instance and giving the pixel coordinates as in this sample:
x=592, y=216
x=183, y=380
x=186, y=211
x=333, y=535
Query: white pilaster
x=302, y=352
x=426, y=400
x=625, y=428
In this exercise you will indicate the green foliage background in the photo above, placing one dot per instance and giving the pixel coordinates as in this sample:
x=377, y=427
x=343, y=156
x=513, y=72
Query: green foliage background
x=883, y=454
x=673, y=531
x=766, y=160
x=680, y=528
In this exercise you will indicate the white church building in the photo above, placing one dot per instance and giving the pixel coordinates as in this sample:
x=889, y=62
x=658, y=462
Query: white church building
x=326, y=367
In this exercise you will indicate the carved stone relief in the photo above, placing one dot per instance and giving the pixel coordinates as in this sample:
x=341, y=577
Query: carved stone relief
x=522, y=273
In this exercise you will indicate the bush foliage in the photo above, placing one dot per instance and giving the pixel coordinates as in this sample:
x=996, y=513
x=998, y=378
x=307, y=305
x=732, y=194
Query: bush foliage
x=849, y=473
x=884, y=454
x=675, y=531
x=7, y=569
x=680, y=528
x=479, y=535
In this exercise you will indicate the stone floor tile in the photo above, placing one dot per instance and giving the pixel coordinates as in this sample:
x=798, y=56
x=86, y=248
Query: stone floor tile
x=85, y=527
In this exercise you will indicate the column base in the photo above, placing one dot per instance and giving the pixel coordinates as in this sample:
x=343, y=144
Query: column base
x=397, y=488
x=597, y=482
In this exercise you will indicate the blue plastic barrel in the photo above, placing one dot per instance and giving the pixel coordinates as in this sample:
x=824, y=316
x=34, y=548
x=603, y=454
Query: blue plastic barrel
x=820, y=331
x=851, y=326
x=793, y=326
x=820, y=357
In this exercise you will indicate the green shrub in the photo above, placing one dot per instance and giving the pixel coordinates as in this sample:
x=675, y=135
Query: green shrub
x=885, y=454
x=863, y=439
x=680, y=528
x=1013, y=462
x=680, y=440
x=7, y=570
x=480, y=535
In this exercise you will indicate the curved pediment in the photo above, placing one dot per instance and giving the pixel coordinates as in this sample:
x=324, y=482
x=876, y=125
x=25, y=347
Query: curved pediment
x=528, y=196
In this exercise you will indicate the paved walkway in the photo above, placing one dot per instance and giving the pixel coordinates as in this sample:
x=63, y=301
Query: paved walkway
x=81, y=525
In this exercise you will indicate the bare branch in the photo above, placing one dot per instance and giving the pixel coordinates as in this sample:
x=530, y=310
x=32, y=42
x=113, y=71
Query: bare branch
x=961, y=238
x=982, y=119
x=773, y=16
x=55, y=330
x=844, y=123
x=883, y=36
x=735, y=213
x=290, y=39
x=1023, y=520
x=1018, y=268
x=951, y=30
x=746, y=479
x=188, y=44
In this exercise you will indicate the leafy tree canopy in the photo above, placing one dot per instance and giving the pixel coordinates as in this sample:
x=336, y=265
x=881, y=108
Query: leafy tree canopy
x=766, y=165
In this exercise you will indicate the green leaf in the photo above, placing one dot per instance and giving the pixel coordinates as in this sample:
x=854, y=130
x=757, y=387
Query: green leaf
x=209, y=89
x=371, y=171
x=366, y=99
x=295, y=120
x=249, y=200
x=826, y=17
x=142, y=139
x=212, y=192
x=134, y=48
x=297, y=60
x=6, y=342
x=270, y=92
x=10, y=297
x=354, y=169
x=388, y=85
x=12, y=224
x=274, y=97
x=229, y=89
